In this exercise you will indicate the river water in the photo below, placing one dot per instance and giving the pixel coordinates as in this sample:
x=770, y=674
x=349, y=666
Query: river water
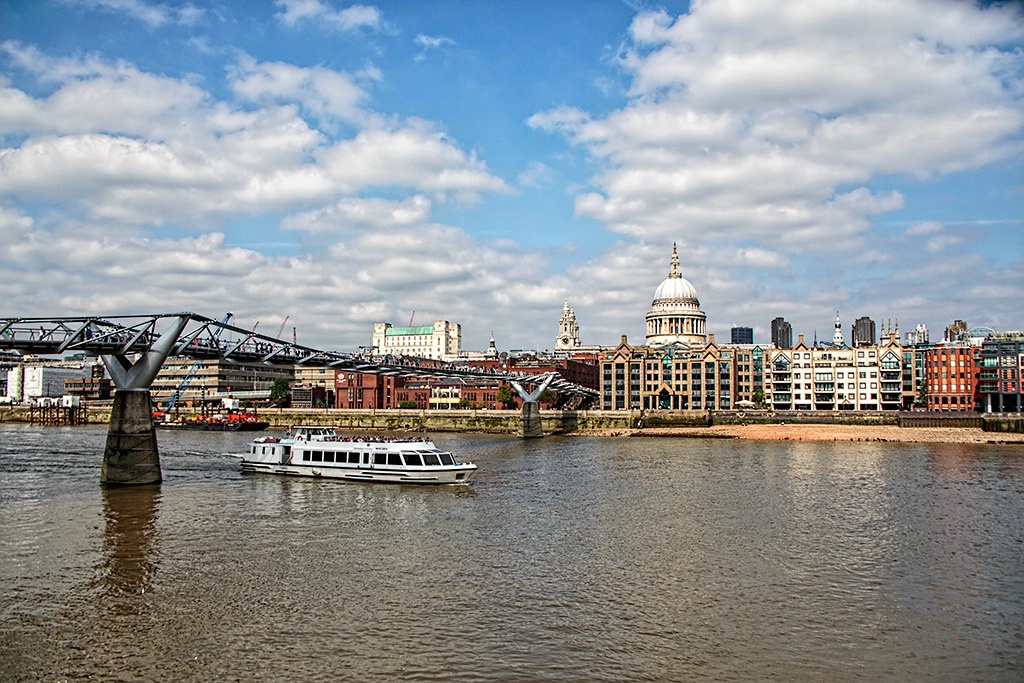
x=567, y=559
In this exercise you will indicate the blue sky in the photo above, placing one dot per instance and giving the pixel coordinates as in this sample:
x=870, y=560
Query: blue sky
x=480, y=162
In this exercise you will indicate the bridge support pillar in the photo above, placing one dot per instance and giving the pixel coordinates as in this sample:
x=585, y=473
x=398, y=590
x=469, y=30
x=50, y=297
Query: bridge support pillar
x=131, y=456
x=531, y=426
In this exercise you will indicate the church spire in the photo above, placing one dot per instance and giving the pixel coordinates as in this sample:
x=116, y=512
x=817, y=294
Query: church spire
x=837, y=337
x=674, y=271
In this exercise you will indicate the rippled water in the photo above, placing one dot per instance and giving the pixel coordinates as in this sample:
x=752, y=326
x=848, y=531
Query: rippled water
x=570, y=559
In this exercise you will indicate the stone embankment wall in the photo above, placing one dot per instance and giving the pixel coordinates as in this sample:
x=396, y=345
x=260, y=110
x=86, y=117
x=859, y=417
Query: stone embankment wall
x=485, y=421
x=568, y=422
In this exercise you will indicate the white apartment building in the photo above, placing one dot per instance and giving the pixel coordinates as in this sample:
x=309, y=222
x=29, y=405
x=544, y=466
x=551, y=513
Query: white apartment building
x=440, y=341
x=836, y=378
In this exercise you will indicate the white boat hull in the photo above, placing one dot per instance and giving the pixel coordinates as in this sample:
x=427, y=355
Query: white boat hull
x=457, y=475
x=319, y=452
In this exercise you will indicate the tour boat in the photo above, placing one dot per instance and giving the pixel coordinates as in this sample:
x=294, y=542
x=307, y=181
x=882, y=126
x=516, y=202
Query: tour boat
x=320, y=452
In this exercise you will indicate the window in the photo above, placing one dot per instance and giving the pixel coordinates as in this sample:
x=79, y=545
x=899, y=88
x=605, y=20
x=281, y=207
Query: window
x=353, y=458
x=431, y=459
x=379, y=459
x=316, y=456
x=413, y=459
x=394, y=459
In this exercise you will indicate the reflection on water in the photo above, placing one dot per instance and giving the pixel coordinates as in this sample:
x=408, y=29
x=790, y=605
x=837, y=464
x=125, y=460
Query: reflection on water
x=567, y=559
x=129, y=545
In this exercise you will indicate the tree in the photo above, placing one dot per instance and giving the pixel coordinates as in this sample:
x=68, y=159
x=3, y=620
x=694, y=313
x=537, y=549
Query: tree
x=921, y=400
x=506, y=396
x=281, y=392
x=758, y=397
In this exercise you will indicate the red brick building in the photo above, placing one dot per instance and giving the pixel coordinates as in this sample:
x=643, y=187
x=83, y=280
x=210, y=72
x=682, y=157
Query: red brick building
x=951, y=378
x=379, y=391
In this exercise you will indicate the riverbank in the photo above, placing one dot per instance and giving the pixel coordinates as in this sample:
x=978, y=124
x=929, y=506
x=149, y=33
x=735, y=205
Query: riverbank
x=830, y=432
x=766, y=427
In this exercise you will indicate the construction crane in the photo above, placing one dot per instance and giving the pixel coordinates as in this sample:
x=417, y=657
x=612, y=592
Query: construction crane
x=194, y=369
x=412, y=317
x=280, y=330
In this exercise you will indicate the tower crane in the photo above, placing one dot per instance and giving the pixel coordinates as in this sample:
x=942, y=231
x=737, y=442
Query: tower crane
x=194, y=369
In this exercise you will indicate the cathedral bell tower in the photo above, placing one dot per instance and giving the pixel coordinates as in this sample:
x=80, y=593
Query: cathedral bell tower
x=568, y=330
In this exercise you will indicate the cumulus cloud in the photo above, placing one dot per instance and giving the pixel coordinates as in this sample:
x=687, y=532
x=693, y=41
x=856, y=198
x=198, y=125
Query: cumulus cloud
x=351, y=18
x=770, y=130
x=171, y=152
x=359, y=212
x=153, y=14
x=323, y=93
x=749, y=114
x=767, y=139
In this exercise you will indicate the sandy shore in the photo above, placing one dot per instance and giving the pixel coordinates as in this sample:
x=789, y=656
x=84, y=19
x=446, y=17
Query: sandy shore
x=821, y=432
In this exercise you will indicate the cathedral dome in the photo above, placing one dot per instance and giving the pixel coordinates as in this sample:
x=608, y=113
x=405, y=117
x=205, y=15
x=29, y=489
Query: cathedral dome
x=675, y=316
x=675, y=288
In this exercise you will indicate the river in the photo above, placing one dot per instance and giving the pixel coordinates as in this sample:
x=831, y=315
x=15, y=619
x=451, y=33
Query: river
x=567, y=559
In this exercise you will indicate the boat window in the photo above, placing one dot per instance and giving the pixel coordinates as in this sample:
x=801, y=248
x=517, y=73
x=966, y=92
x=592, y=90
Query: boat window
x=328, y=457
x=316, y=456
x=366, y=458
x=413, y=459
x=431, y=459
x=446, y=459
x=353, y=458
x=379, y=458
x=394, y=459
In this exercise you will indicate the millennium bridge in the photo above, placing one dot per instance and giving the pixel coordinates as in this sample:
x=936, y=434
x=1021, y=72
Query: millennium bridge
x=133, y=348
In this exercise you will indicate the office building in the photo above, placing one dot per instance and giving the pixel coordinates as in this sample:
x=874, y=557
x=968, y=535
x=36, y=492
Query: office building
x=742, y=335
x=782, y=334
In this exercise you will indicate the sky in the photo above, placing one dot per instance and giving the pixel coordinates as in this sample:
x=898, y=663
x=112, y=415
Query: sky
x=316, y=166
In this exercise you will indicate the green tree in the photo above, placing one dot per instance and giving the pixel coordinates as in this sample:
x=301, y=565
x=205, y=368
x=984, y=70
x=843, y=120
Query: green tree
x=758, y=397
x=506, y=396
x=921, y=400
x=281, y=392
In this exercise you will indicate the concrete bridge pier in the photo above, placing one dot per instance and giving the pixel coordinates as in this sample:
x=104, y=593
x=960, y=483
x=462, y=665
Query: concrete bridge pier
x=131, y=456
x=531, y=425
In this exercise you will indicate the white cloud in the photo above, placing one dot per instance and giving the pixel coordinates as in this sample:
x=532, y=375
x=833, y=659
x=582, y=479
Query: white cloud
x=924, y=228
x=153, y=14
x=537, y=174
x=432, y=42
x=415, y=156
x=358, y=213
x=766, y=139
x=170, y=152
x=351, y=18
x=764, y=134
x=323, y=93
